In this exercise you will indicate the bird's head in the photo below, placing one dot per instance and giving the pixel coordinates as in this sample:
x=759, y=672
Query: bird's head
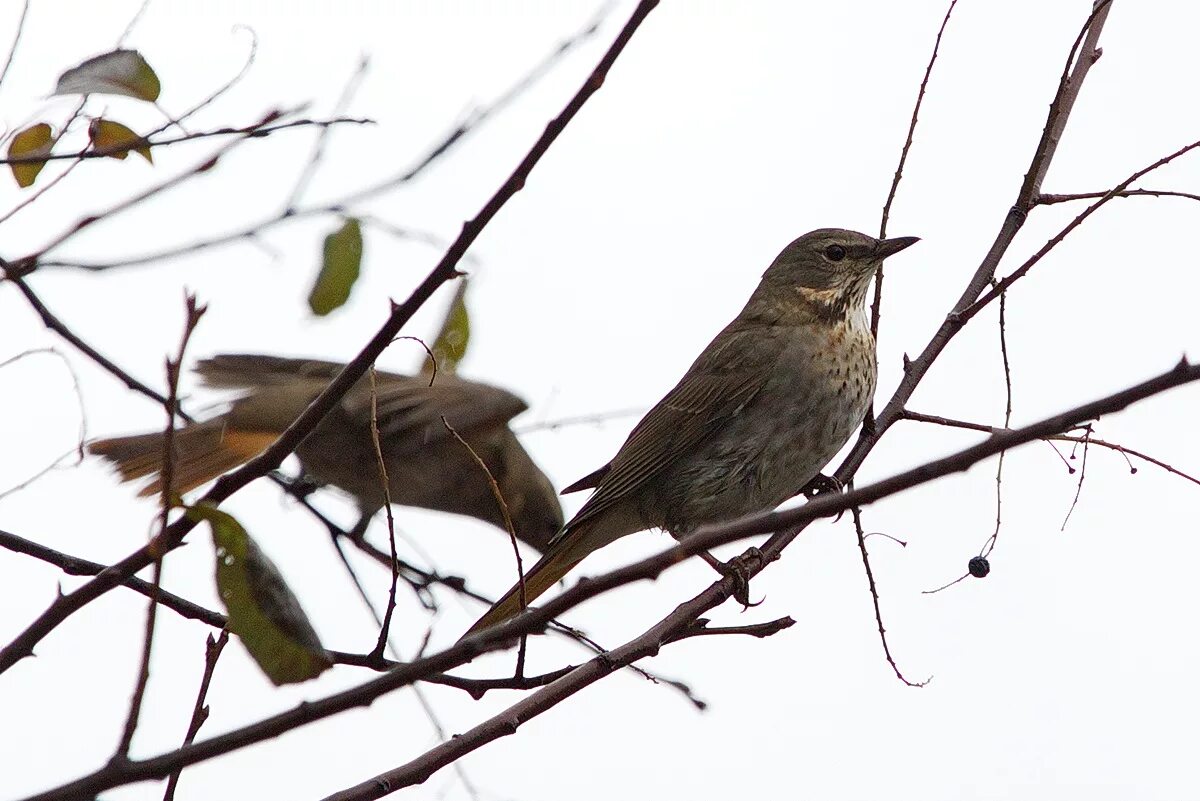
x=829, y=269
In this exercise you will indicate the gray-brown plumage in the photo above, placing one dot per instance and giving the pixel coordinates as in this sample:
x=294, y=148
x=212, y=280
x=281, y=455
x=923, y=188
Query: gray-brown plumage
x=767, y=404
x=426, y=465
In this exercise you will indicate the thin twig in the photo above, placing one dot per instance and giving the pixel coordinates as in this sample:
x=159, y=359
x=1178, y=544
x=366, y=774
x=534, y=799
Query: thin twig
x=598, y=418
x=59, y=327
x=376, y=659
x=759, y=630
x=453, y=138
x=133, y=21
x=80, y=405
x=43, y=187
x=1084, y=53
x=990, y=543
x=508, y=525
x=254, y=131
x=385, y=483
x=877, y=302
x=318, y=151
x=12, y=50
x=22, y=266
x=1124, y=450
x=1000, y=286
x=1082, y=475
x=76, y=566
x=212, y=652
x=856, y=513
x=1047, y=199
x=194, y=313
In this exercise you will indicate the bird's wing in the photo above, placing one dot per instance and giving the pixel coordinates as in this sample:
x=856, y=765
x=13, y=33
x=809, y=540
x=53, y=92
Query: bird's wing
x=590, y=480
x=410, y=410
x=726, y=376
x=254, y=370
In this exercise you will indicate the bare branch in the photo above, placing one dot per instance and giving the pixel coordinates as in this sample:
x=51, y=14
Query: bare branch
x=194, y=313
x=856, y=512
x=12, y=50
x=212, y=652
x=1047, y=200
x=760, y=630
x=877, y=302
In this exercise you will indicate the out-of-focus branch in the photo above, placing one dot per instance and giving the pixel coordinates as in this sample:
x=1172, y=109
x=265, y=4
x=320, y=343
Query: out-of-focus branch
x=255, y=131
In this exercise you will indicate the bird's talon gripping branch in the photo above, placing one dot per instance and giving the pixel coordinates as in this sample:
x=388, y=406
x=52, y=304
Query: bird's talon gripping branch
x=822, y=485
x=737, y=570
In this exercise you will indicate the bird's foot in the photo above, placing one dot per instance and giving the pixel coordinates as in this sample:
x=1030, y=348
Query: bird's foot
x=736, y=570
x=822, y=485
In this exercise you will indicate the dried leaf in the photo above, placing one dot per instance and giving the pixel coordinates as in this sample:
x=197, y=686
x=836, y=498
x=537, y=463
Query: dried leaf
x=340, y=265
x=263, y=611
x=106, y=135
x=120, y=72
x=36, y=140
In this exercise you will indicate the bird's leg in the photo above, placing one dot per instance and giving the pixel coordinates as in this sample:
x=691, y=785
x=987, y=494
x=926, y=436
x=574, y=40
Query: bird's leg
x=868, y=423
x=733, y=569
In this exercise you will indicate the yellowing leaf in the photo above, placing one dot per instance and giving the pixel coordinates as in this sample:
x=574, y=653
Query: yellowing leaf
x=36, y=140
x=340, y=264
x=263, y=612
x=451, y=343
x=107, y=135
x=120, y=72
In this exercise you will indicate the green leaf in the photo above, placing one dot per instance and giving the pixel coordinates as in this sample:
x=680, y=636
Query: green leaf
x=36, y=140
x=340, y=266
x=120, y=72
x=263, y=611
x=451, y=343
x=106, y=135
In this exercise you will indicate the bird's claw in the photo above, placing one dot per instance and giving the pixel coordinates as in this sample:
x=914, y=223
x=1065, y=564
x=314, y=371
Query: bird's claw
x=823, y=485
x=737, y=570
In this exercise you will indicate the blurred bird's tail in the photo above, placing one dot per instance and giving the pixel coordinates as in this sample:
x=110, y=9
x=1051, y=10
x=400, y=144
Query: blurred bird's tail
x=203, y=452
x=541, y=577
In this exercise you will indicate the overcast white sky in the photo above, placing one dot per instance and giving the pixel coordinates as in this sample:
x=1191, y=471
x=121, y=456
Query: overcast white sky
x=723, y=132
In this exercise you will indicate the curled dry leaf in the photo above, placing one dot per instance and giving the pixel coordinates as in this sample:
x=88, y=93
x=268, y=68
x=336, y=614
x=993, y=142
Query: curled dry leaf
x=120, y=72
x=36, y=140
x=108, y=135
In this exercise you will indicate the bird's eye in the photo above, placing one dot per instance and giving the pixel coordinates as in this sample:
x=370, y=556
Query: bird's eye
x=835, y=253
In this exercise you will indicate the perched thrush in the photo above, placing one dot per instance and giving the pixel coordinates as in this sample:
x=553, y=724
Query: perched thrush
x=767, y=404
x=426, y=465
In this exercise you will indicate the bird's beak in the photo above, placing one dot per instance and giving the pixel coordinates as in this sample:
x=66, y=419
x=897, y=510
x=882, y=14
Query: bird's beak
x=890, y=247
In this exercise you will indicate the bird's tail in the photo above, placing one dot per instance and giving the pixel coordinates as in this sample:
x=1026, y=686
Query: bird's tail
x=203, y=452
x=541, y=577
